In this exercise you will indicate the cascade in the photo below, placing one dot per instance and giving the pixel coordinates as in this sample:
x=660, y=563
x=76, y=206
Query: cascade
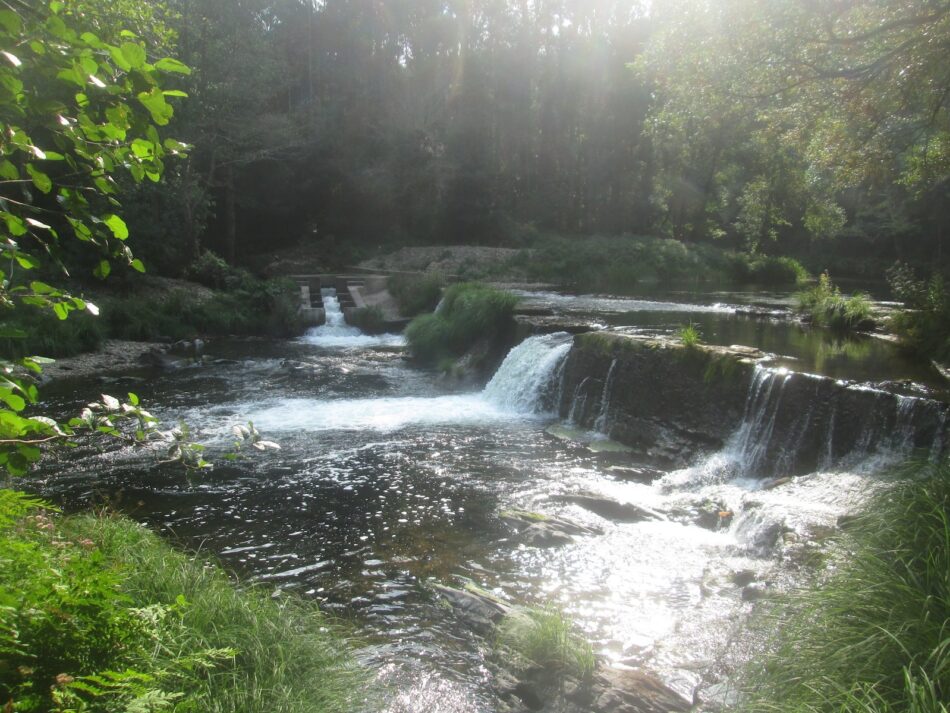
x=600, y=423
x=797, y=422
x=527, y=380
x=335, y=332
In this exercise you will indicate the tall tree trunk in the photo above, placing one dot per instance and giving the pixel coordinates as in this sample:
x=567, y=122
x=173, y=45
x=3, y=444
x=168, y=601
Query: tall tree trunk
x=230, y=217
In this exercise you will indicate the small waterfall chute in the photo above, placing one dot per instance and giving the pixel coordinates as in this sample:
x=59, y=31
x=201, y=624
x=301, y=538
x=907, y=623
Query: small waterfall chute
x=530, y=374
x=335, y=332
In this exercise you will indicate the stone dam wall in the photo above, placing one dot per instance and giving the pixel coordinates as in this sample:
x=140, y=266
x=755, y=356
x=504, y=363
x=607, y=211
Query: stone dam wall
x=676, y=403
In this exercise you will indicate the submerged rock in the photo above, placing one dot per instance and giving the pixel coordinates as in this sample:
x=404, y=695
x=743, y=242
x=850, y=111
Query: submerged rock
x=613, y=510
x=479, y=609
x=536, y=530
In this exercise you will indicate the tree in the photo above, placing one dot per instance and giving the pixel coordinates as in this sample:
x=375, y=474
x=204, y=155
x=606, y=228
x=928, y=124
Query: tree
x=79, y=110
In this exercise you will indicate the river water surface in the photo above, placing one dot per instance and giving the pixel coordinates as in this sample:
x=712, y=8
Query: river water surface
x=389, y=480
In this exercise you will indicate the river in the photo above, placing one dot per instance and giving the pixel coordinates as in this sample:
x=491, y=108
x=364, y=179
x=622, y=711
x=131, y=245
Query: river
x=390, y=479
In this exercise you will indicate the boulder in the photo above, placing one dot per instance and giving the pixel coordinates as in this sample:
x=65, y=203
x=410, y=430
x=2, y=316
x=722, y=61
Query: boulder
x=536, y=530
x=479, y=609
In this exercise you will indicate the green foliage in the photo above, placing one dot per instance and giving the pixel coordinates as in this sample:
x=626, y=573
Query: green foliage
x=621, y=263
x=470, y=312
x=873, y=636
x=98, y=615
x=925, y=328
x=826, y=307
x=369, y=319
x=689, y=335
x=416, y=294
x=543, y=636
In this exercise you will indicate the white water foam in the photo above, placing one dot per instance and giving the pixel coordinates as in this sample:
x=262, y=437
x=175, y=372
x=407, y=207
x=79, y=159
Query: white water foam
x=336, y=333
x=514, y=394
x=525, y=377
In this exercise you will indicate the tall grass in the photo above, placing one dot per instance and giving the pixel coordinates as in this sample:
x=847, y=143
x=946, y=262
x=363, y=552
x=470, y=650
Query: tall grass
x=826, y=307
x=544, y=637
x=874, y=637
x=108, y=617
x=415, y=294
x=470, y=312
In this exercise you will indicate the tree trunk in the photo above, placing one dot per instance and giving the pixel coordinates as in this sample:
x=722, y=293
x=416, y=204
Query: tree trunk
x=230, y=218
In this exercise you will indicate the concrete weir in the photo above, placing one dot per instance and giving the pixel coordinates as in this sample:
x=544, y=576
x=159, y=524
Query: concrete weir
x=675, y=402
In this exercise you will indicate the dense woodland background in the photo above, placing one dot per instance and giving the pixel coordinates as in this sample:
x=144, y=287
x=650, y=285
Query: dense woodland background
x=815, y=129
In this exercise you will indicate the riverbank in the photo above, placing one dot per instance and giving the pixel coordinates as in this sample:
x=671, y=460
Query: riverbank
x=871, y=635
x=100, y=614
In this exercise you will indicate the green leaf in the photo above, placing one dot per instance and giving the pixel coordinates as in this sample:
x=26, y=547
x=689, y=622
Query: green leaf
x=27, y=262
x=118, y=227
x=11, y=22
x=61, y=310
x=134, y=53
x=102, y=269
x=8, y=171
x=137, y=265
x=174, y=93
x=167, y=64
x=40, y=179
x=17, y=403
x=154, y=101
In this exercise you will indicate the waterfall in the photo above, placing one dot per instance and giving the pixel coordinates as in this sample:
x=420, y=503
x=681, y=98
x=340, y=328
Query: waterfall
x=600, y=423
x=335, y=332
x=527, y=380
x=797, y=422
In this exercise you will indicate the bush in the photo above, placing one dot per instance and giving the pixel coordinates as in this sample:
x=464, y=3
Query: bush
x=213, y=271
x=415, y=294
x=97, y=614
x=620, y=263
x=826, y=307
x=925, y=329
x=545, y=637
x=30, y=331
x=369, y=319
x=875, y=636
x=471, y=312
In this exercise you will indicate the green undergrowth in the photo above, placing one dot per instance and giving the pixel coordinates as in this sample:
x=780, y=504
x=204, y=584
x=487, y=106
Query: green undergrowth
x=925, y=326
x=415, y=294
x=470, y=313
x=545, y=637
x=621, y=263
x=98, y=615
x=874, y=637
x=235, y=304
x=825, y=306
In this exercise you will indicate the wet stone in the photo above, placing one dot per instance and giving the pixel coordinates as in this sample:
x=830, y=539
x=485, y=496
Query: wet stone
x=613, y=510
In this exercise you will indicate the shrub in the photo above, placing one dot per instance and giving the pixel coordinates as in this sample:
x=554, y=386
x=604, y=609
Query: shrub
x=925, y=329
x=471, y=312
x=874, y=636
x=369, y=319
x=544, y=637
x=825, y=306
x=213, y=271
x=97, y=614
x=415, y=294
x=29, y=331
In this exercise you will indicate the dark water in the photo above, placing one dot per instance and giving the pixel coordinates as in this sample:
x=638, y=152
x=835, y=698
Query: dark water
x=388, y=481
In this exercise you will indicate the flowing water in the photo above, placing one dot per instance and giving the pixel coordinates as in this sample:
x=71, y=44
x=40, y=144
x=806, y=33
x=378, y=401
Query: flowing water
x=388, y=481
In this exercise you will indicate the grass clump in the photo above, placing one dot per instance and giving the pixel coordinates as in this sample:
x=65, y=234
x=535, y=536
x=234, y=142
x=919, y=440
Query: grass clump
x=825, y=306
x=415, y=294
x=875, y=637
x=470, y=313
x=689, y=335
x=369, y=319
x=543, y=636
x=99, y=615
